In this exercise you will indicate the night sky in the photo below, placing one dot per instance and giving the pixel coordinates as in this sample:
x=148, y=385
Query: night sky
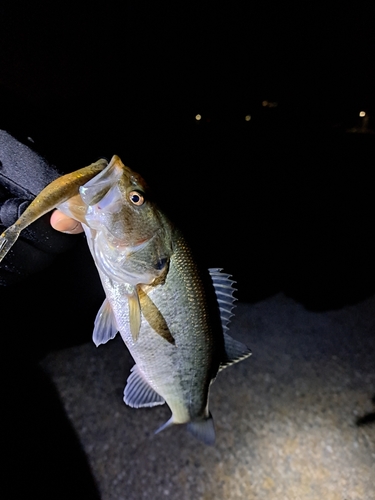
x=284, y=200
x=156, y=61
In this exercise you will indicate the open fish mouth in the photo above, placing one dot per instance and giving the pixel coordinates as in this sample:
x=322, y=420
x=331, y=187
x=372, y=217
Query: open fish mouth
x=124, y=245
x=114, y=260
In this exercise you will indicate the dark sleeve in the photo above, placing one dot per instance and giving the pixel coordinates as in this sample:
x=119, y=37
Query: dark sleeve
x=23, y=174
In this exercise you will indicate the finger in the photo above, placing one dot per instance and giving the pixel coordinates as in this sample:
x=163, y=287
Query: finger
x=65, y=224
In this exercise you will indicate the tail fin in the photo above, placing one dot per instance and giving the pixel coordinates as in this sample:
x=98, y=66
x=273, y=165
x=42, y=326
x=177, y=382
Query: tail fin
x=8, y=239
x=203, y=430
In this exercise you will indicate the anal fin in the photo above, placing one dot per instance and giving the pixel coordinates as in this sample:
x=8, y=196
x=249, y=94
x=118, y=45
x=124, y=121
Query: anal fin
x=138, y=393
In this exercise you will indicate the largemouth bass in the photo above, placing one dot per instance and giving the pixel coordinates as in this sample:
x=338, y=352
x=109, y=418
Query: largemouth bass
x=172, y=316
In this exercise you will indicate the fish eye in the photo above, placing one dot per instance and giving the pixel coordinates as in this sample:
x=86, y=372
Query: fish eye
x=136, y=198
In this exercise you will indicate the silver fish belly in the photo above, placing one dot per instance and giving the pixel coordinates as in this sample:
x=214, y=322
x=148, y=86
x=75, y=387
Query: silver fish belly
x=178, y=373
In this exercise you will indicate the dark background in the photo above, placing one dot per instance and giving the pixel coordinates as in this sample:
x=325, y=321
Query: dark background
x=284, y=202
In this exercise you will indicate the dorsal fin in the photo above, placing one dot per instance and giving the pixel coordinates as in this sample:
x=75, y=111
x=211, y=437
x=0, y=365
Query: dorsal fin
x=224, y=290
x=234, y=350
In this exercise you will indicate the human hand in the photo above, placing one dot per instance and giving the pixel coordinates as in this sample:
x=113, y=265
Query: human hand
x=65, y=224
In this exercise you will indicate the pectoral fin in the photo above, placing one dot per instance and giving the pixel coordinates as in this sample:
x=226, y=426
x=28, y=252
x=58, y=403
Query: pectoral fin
x=154, y=317
x=134, y=314
x=105, y=327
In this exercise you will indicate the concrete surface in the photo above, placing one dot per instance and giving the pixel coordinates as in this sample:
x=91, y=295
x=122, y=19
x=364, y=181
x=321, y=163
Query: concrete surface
x=294, y=421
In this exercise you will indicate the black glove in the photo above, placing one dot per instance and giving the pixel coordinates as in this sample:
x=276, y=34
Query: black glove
x=23, y=174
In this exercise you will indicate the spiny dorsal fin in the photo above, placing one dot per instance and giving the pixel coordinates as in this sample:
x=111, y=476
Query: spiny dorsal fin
x=224, y=294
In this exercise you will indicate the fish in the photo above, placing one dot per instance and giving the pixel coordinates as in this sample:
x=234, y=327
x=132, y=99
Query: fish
x=172, y=315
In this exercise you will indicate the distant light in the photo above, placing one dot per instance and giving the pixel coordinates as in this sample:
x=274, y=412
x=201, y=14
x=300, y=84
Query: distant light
x=198, y=117
x=247, y=118
x=269, y=104
x=362, y=113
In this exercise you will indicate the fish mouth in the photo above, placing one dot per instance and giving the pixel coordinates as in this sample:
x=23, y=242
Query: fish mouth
x=124, y=245
x=121, y=264
x=95, y=189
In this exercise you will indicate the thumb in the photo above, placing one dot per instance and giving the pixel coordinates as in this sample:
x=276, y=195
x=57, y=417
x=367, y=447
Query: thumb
x=65, y=224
